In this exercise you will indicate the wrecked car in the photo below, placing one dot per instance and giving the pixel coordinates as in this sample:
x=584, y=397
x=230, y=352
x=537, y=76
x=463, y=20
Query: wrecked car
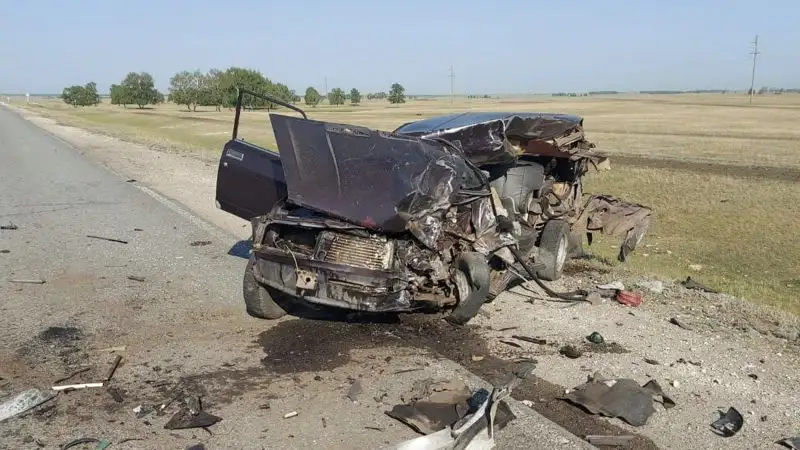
x=439, y=214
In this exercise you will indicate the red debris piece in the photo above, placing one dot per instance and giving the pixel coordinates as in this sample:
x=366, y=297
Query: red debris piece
x=629, y=298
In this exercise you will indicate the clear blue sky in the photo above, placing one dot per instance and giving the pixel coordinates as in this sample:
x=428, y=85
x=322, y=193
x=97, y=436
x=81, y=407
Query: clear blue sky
x=495, y=46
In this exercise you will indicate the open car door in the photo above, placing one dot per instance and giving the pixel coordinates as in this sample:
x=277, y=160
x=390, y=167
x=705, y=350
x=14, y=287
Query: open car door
x=250, y=178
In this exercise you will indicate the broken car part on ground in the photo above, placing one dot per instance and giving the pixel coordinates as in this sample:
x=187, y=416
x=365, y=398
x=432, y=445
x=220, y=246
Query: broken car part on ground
x=442, y=213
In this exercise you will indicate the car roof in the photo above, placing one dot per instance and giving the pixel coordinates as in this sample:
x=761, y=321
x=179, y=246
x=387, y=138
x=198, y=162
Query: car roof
x=459, y=120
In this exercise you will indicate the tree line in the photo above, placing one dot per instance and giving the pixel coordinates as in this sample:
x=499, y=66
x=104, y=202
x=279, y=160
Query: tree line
x=216, y=88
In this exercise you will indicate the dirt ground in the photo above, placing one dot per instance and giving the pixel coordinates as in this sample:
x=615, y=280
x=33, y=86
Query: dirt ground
x=734, y=354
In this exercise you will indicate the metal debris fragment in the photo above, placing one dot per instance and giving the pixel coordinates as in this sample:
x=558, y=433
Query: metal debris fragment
x=136, y=278
x=24, y=401
x=511, y=344
x=690, y=283
x=80, y=441
x=191, y=416
x=677, y=321
x=289, y=415
x=532, y=340
x=651, y=361
x=113, y=368
x=77, y=372
x=609, y=441
x=11, y=226
x=200, y=243
x=728, y=423
x=69, y=387
x=792, y=442
x=120, y=241
x=622, y=398
x=24, y=281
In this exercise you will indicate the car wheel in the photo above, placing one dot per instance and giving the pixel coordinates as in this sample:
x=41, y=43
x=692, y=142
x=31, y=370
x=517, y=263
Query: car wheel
x=257, y=299
x=553, y=249
x=472, y=285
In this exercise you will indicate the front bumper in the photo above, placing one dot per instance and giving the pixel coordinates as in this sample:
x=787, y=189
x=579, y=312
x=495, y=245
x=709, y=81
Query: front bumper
x=337, y=285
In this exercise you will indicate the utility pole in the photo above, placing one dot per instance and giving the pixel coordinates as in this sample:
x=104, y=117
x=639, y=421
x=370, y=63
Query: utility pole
x=755, y=53
x=452, y=76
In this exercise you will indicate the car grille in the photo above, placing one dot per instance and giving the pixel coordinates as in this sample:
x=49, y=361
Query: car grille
x=367, y=253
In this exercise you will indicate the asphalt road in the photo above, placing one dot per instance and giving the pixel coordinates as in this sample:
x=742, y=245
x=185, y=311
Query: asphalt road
x=181, y=332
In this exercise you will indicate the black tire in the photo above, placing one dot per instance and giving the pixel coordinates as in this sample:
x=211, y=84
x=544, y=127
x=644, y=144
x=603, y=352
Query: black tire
x=474, y=270
x=553, y=249
x=257, y=299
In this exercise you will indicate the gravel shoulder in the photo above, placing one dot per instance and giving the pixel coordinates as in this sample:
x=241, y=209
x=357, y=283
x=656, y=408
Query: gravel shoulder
x=734, y=354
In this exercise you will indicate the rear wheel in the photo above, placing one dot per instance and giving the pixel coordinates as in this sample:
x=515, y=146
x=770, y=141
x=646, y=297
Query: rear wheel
x=257, y=299
x=472, y=284
x=553, y=249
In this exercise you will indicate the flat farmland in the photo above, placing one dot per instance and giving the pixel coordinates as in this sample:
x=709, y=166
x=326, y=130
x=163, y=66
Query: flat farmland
x=722, y=175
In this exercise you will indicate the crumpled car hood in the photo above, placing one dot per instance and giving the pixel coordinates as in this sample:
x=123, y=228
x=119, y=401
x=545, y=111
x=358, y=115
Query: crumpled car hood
x=381, y=181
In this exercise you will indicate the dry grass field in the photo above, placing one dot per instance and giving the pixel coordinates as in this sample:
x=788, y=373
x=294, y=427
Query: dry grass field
x=723, y=176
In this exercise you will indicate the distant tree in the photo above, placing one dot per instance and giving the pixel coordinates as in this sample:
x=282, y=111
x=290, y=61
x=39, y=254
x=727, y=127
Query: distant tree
x=211, y=91
x=312, y=97
x=120, y=95
x=336, y=96
x=81, y=95
x=355, y=96
x=140, y=89
x=397, y=94
x=185, y=88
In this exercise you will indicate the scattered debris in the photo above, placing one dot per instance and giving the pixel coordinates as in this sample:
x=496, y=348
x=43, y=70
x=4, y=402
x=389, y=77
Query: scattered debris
x=374, y=428
x=752, y=376
x=595, y=338
x=39, y=281
x=696, y=267
x=70, y=387
x=77, y=372
x=689, y=283
x=792, y=442
x=113, y=368
x=694, y=363
x=628, y=298
x=651, y=361
x=354, y=391
x=676, y=383
x=141, y=411
x=191, y=416
x=654, y=286
x=532, y=340
x=622, y=398
x=613, y=286
x=116, y=395
x=121, y=348
x=509, y=343
x=507, y=328
x=528, y=403
x=138, y=229
x=477, y=358
x=677, y=321
x=609, y=441
x=196, y=447
x=9, y=227
x=264, y=406
x=380, y=396
x=570, y=351
x=397, y=372
x=729, y=423
x=23, y=402
x=5, y=251
x=106, y=239
x=289, y=415
x=85, y=440
x=129, y=440
x=136, y=278
x=200, y=243
x=130, y=180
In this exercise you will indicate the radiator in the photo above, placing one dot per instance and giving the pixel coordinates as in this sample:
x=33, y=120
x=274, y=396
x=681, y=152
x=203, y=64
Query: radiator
x=368, y=253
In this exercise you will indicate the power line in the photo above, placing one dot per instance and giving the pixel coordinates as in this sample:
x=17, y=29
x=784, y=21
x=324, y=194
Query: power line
x=452, y=76
x=755, y=54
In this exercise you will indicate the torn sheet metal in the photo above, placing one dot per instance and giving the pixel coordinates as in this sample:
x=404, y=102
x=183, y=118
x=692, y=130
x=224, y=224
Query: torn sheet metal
x=609, y=215
x=375, y=179
x=495, y=137
x=622, y=398
x=729, y=423
x=24, y=401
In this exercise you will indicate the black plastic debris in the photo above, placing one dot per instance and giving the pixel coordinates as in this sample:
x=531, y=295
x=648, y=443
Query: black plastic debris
x=690, y=283
x=120, y=241
x=729, y=423
x=191, y=416
x=792, y=442
x=595, y=338
x=622, y=398
x=9, y=227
